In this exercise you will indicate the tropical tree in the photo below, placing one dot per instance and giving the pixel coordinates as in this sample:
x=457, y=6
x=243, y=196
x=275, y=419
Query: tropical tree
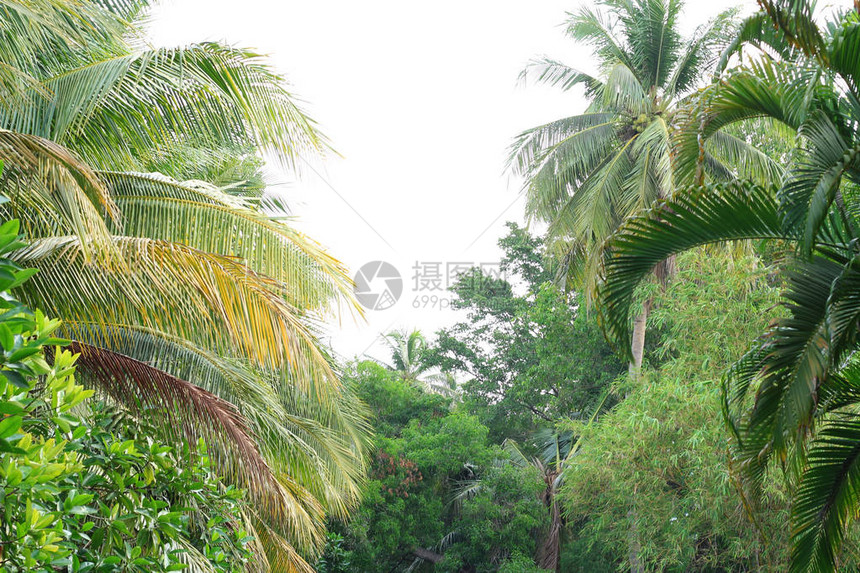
x=557, y=450
x=409, y=360
x=791, y=400
x=189, y=304
x=586, y=174
x=527, y=351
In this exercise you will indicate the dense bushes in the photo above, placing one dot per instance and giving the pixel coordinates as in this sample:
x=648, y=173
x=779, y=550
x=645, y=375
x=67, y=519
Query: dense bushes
x=440, y=496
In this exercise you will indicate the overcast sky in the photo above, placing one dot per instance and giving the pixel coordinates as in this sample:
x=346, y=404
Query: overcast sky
x=421, y=100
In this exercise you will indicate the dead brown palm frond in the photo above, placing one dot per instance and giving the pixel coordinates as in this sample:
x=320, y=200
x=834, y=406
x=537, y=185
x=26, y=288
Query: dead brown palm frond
x=189, y=413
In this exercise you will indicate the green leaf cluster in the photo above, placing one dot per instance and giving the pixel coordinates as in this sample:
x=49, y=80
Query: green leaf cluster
x=85, y=488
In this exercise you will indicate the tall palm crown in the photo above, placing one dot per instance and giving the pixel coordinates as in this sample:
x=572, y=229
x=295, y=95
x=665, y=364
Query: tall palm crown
x=792, y=400
x=409, y=358
x=587, y=173
x=188, y=303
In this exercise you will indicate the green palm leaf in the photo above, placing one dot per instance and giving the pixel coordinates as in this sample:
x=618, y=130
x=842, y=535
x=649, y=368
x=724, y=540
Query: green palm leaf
x=826, y=496
x=696, y=217
x=52, y=188
x=202, y=217
x=548, y=71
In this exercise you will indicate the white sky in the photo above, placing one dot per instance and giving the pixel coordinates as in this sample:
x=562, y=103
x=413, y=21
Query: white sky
x=421, y=100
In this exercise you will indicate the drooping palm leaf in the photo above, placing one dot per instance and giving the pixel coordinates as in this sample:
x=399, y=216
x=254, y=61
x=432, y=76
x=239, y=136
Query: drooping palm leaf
x=50, y=187
x=696, y=217
x=214, y=301
x=202, y=217
x=827, y=496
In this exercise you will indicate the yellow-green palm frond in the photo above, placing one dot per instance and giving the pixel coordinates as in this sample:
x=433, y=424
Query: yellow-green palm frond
x=203, y=217
x=52, y=190
x=281, y=556
x=211, y=300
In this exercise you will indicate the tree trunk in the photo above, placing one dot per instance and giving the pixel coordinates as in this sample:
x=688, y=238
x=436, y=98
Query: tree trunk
x=637, y=345
x=550, y=551
x=664, y=272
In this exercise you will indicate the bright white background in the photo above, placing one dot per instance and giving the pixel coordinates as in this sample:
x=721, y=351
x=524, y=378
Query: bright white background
x=421, y=101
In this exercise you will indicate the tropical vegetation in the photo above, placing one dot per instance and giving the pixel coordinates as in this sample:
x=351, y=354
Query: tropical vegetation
x=166, y=402
x=190, y=305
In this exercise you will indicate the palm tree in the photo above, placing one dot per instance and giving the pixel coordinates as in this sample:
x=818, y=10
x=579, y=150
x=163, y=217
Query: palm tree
x=408, y=354
x=188, y=303
x=792, y=399
x=586, y=174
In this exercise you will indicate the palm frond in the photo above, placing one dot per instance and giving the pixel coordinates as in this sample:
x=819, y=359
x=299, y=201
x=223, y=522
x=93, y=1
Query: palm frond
x=795, y=20
x=758, y=31
x=321, y=444
x=814, y=183
x=595, y=29
x=187, y=412
x=743, y=160
x=782, y=92
x=623, y=91
x=652, y=32
x=692, y=218
x=548, y=71
x=207, y=219
x=701, y=52
x=211, y=300
x=826, y=497
x=559, y=154
x=844, y=56
x=791, y=364
x=52, y=188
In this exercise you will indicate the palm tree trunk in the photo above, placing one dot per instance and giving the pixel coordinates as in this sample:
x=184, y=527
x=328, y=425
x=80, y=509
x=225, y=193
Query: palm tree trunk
x=637, y=346
x=550, y=551
x=664, y=271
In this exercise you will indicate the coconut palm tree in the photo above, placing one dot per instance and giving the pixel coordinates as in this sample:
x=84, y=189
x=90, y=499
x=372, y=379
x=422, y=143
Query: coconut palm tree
x=586, y=174
x=793, y=397
x=409, y=362
x=189, y=304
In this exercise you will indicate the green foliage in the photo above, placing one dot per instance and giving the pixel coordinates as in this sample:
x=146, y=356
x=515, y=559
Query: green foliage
x=519, y=563
x=530, y=352
x=90, y=490
x=334, y=559
x=654, y=472
x=499, y=522
x=424, y=455
x=791, y=400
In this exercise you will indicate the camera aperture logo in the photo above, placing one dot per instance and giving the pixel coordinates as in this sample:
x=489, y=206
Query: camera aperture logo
x=378, y=285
